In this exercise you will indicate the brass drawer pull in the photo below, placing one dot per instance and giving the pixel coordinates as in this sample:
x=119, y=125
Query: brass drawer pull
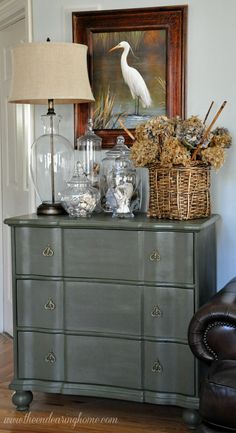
x=155, y=256
x=50, y=357
x=48, y=251
x=156, y=311
x=50, y=305
x=157, y=367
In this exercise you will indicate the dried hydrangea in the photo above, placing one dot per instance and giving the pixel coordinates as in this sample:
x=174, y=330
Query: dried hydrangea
x=150, y=138
x=221, y=137
x=174, y=152
x=190, y=131
x=144, y=152
x=215, y=156
x=173, y=141
x=159, y=128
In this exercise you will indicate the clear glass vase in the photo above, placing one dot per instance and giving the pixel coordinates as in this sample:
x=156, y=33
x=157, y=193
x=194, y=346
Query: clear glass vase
x=52, y=161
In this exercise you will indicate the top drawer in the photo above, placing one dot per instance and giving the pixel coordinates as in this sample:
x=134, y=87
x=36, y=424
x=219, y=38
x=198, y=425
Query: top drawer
x=101, y=254
x=168, y=257
x=38, y=251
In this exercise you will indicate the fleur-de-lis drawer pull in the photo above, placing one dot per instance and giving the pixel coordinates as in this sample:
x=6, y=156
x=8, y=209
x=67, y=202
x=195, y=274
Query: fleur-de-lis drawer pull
x=48, y=251
x=50, y=305
x=156, y=311
x=157, y=367
x=155, y=256
x=50, y=357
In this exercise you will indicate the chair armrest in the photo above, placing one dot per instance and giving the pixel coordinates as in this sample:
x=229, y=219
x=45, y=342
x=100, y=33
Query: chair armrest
x=212, y=330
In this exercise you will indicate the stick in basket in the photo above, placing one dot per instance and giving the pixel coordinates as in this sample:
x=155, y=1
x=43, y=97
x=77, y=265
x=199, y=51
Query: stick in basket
x=126, y=130
x=207, y=131
x=208, y=112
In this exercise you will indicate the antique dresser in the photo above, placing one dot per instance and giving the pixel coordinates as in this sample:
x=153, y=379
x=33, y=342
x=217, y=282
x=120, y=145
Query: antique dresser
x=102, y=306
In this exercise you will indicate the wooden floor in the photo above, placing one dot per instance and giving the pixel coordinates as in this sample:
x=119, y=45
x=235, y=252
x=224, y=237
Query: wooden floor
x=56, y=413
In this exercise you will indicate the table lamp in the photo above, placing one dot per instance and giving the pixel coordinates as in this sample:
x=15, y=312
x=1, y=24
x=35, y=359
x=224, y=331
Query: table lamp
x=50, y=73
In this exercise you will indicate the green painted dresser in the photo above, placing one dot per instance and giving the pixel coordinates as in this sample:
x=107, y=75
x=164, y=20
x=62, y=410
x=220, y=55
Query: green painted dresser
x=102, y=306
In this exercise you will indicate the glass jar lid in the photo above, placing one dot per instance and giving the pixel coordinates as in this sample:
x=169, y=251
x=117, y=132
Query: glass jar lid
x=122, y=162
x=90, y=137
x=120, y=147
x=79, y=178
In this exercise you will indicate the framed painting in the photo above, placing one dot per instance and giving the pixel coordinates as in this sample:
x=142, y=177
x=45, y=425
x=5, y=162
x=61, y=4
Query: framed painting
x=136, y=62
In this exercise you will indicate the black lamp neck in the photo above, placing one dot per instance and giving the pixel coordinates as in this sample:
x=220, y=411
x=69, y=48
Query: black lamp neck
x=51, y=110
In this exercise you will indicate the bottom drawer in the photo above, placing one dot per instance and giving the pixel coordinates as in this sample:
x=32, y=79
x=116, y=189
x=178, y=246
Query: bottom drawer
x=40, y=356
x=169, y=367
x=103, y=361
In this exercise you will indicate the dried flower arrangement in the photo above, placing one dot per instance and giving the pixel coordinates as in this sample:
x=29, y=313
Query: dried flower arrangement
x=174, y=141
x=179, y=154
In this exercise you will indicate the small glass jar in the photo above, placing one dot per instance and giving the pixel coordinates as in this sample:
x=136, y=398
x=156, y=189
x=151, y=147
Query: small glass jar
x=121, y=186
x=80, y=198
x=107, y=198
x=89, y=154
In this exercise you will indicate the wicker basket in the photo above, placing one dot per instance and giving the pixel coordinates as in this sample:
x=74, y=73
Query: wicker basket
x=179, y=192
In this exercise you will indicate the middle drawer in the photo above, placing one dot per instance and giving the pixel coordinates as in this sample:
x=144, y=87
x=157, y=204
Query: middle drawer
x=79, y=306
x=100, y=307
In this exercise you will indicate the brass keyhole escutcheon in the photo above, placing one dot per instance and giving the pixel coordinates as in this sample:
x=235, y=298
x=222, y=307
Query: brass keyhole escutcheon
x=156, y=311
x=157, y=367
x=50, y=357
x=48, y=251
x=50, y=305
x=155, y=256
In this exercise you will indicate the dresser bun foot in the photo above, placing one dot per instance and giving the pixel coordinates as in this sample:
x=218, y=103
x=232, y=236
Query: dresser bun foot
x=192, y=418
x=22, y=400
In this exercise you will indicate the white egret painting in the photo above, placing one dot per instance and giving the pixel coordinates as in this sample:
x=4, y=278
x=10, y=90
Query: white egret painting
x=128, y=77
x=136, y=65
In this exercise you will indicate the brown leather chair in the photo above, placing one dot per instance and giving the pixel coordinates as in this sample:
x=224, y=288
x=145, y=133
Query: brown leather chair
x=212, y=339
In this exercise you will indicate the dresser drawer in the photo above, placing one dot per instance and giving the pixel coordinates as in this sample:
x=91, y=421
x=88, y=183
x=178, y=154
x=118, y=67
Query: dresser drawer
x=103, y=361
x=169, y=367
x=38, y=251
x=110, y=308
x=40, y=356
x=167, y=312
x=101, y=254
x=168, y=257
x=40, y=304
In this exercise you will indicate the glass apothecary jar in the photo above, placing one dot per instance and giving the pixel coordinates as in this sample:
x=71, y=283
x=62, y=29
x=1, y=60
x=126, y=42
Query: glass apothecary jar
x=89, y=148
x=108, y=163
x=122, y=186
x=80, y=198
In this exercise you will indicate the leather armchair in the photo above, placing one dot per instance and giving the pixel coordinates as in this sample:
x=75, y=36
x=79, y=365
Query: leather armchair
x=212, y=339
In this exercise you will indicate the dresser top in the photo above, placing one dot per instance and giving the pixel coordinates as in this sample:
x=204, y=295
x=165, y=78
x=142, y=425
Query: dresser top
x=106, y=222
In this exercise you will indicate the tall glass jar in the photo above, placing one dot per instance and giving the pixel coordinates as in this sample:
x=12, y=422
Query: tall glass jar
x=122, y=186
x=89, y=154
x=107, y=199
